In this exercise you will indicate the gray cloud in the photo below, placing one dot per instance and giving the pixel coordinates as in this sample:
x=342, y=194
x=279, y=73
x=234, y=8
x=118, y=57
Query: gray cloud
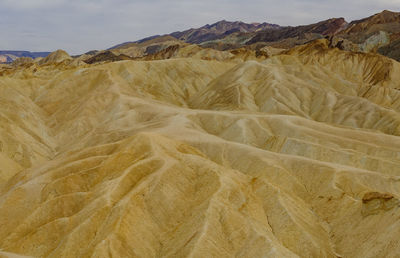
x=81, y=25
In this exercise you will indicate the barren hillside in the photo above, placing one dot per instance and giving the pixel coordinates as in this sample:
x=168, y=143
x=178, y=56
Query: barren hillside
x=202, y=155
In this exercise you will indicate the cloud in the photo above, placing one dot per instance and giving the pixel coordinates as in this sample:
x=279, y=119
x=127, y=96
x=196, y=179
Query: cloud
x=81, y=25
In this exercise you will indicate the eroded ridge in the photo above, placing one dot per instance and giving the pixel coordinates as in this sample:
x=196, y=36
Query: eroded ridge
x=294, y=155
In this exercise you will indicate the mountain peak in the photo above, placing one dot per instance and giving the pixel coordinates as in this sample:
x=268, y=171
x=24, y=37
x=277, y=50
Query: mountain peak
x=386, y=16
x=388, y=12
x=383, y=17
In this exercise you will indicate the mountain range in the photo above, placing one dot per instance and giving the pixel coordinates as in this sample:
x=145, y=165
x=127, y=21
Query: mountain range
x=377, y=33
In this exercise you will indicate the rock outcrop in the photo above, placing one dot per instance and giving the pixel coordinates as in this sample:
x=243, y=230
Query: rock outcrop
x=374, y=202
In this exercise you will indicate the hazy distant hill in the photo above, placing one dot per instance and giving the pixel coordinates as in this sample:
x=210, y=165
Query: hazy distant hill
x=7, y=56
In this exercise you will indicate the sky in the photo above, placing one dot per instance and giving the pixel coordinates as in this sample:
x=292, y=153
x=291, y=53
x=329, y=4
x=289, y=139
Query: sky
x=78, y=26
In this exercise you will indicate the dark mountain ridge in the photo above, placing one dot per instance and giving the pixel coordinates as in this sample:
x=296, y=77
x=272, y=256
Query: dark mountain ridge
x=208, y=32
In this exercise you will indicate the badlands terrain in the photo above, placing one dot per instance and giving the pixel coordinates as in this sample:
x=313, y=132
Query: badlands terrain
x=201, y=152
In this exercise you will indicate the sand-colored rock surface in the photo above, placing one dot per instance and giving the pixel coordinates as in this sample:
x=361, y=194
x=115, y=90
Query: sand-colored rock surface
x=55, y=57
x=12, y=255
x=294, y=156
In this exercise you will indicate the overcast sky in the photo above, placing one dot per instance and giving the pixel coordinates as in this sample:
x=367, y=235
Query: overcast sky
x=81, y=25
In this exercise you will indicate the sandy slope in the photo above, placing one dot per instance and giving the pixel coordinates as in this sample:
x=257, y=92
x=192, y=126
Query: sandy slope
x=295, y=156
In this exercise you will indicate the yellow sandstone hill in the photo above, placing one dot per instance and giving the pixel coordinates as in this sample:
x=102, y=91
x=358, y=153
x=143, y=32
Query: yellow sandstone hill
x=297, y=155
x=55, y=57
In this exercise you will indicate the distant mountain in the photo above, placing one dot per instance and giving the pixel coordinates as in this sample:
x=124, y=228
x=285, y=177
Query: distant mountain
x=134, y=42
x=317, y=30
x=379, y=33
x=7, y=56
x=208, y=32
x=225, y=35
x=384, y=21
x=219, y=30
